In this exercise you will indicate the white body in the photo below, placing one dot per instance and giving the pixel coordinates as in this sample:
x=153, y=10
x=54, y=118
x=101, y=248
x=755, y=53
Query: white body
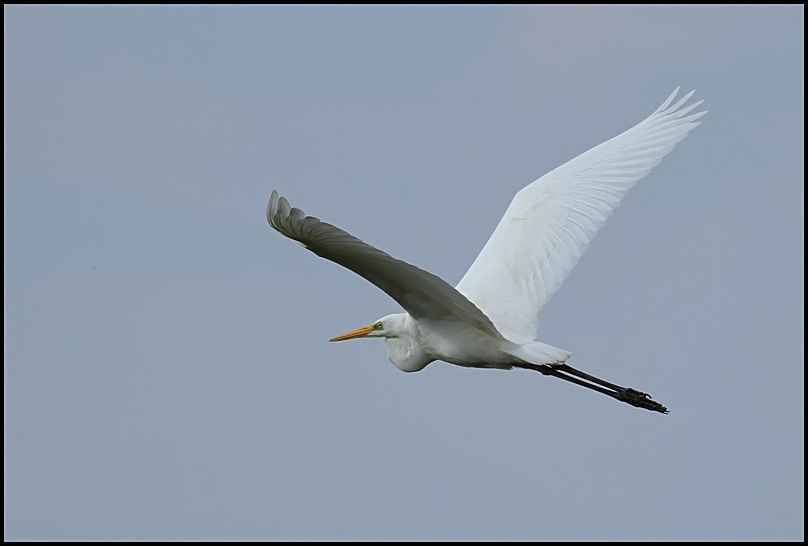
x=414, y=343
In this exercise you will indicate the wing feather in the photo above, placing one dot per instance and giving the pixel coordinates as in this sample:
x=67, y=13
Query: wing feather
x=549, y=224
x=419, y=292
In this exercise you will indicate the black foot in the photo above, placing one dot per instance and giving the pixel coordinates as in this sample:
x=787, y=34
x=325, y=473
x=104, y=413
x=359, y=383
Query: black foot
x=640, y=400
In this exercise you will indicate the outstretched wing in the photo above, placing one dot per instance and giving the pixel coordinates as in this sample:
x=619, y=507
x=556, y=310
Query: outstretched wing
x=421, y=293
x=549, y=223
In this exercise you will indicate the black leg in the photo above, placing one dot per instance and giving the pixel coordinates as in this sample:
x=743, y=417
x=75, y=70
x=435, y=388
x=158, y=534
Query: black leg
x=624, y=394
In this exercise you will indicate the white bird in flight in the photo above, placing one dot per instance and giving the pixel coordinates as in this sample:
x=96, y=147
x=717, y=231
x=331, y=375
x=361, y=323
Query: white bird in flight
x=490, y=320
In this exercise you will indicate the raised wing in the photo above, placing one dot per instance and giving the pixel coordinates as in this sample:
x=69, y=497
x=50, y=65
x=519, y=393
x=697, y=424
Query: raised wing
x=421, y=293
x=549, y=223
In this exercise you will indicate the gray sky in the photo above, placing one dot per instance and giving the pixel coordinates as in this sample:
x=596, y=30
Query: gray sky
x=167, y=370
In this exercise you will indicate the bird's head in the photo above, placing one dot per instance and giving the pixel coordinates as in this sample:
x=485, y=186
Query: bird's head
x=389, y=326
x=400, y=335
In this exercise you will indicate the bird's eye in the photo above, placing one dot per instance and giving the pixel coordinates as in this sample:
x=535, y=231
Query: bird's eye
x=378, y=326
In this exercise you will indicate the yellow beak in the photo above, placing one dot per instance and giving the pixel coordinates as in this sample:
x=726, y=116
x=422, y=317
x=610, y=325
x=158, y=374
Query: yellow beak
x=359, y=332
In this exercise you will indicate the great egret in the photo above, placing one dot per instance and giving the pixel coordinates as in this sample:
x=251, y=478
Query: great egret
x=490, y=319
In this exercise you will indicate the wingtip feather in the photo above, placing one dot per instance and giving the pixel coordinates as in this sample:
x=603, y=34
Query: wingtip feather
x=272, y=207
x=668, y=100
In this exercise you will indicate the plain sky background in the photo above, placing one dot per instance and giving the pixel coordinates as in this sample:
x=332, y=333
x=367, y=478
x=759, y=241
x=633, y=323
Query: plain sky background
x=167, y=371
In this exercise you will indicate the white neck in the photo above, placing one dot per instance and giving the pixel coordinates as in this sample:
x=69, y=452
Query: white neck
x=405, y=348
